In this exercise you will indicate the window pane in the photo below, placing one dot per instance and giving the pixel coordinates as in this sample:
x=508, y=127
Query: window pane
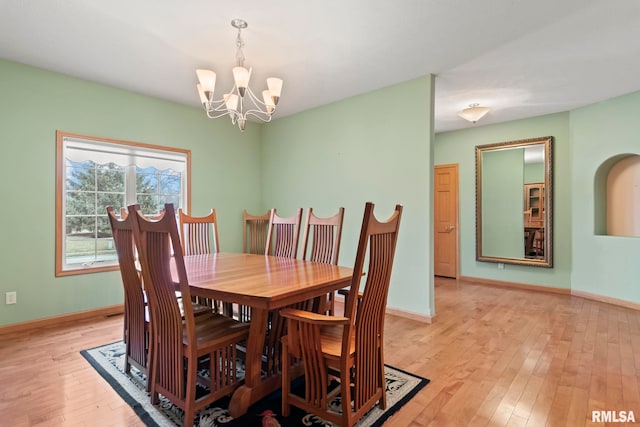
x=105, y=199
x=81, y=226
x=80, y=241
x=156, y=187
x=104, y=228
x=106, y=250
x=146, y=182
x=148, y=204
x=170, y=183
x=80, y=178
x=169, y=199
x=110, y=177
x=80, y=249
x=80, y=203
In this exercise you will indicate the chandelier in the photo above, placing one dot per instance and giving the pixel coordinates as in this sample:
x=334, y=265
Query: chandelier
x=240, y=102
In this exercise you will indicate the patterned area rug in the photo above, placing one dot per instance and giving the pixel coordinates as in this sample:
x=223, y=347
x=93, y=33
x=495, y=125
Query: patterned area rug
x=108, y=360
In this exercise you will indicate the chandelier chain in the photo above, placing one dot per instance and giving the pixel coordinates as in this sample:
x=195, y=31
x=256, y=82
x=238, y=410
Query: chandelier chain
x=239, y=52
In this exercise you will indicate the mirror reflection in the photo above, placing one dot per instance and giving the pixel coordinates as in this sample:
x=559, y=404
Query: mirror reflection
x=513, y=202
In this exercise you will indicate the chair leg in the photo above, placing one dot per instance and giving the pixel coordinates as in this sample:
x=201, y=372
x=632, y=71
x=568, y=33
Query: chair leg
x=190, y=398
x=332, y=304
x=383, y=384
x=345, y=392
x=150, y=357
x=152, y=371
x=286, y=385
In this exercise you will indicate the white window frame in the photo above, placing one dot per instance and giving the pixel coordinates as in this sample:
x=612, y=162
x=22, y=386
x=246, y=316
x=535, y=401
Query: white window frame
x=124, y=153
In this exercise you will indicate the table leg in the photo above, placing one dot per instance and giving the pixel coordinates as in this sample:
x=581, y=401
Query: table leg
x=252, y=389
x=255, y=387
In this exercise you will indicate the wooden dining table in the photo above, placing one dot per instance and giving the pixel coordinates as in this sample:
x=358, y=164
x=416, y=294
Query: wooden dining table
x=266, y=284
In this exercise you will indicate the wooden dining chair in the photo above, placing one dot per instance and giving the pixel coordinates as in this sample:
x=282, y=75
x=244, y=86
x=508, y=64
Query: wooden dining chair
x=254, y=238
x=136, y=316
x=321, y=239
x=349, y=347
x=282, y=241
x=283, y=235
x=199, y=235
x=254, y=232
x=181, y=344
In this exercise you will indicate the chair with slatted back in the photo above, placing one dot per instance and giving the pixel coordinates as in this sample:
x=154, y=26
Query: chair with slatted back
x=282, y=241
x=254, y=232
x=199, y=235
x=321, y=239
x=180, y=345
x=136, y=320
x=283, y=235
x=350, y=347
x=254, y=238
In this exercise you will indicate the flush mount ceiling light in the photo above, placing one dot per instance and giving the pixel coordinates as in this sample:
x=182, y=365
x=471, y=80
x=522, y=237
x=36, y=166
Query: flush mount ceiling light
x=474, y=113
x=240, y=102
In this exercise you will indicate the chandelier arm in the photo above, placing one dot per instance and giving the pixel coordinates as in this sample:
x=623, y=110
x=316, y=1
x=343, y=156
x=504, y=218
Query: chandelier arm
x=265, y=117
x=220, y=104
x=259, y=112
x=217, y=105
x=215, y=116
x=258, y=102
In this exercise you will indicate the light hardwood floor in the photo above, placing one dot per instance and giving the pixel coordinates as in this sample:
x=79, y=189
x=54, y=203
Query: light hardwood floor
x=495, y=357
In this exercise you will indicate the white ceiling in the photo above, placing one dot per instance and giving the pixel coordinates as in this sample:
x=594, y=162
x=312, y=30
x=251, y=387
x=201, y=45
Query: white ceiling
x=520, y=58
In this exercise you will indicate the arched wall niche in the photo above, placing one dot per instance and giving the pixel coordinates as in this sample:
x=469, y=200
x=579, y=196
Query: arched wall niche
x=617, y=196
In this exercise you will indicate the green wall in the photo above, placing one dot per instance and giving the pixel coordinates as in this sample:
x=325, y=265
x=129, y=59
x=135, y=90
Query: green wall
x=34, y=104
x=354, y=151
x=603, y=265
x=459, y=147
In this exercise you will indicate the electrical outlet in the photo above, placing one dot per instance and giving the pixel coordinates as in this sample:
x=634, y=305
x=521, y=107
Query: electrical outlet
x=500, y=266
x=11, y=298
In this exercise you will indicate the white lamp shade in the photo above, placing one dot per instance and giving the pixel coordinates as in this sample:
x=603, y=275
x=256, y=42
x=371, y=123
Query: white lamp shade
x=207, y=79
x=203, y=97
x=268, y=101
x=473, y=113
x=241, y=77
x=231, y=101
x=275, y=86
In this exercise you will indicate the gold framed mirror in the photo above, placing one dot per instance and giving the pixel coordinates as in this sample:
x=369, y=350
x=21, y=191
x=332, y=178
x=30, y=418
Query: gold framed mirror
x=514, y=202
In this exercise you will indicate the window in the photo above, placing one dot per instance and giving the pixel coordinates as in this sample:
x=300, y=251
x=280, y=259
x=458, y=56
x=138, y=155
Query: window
x=93, y=173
